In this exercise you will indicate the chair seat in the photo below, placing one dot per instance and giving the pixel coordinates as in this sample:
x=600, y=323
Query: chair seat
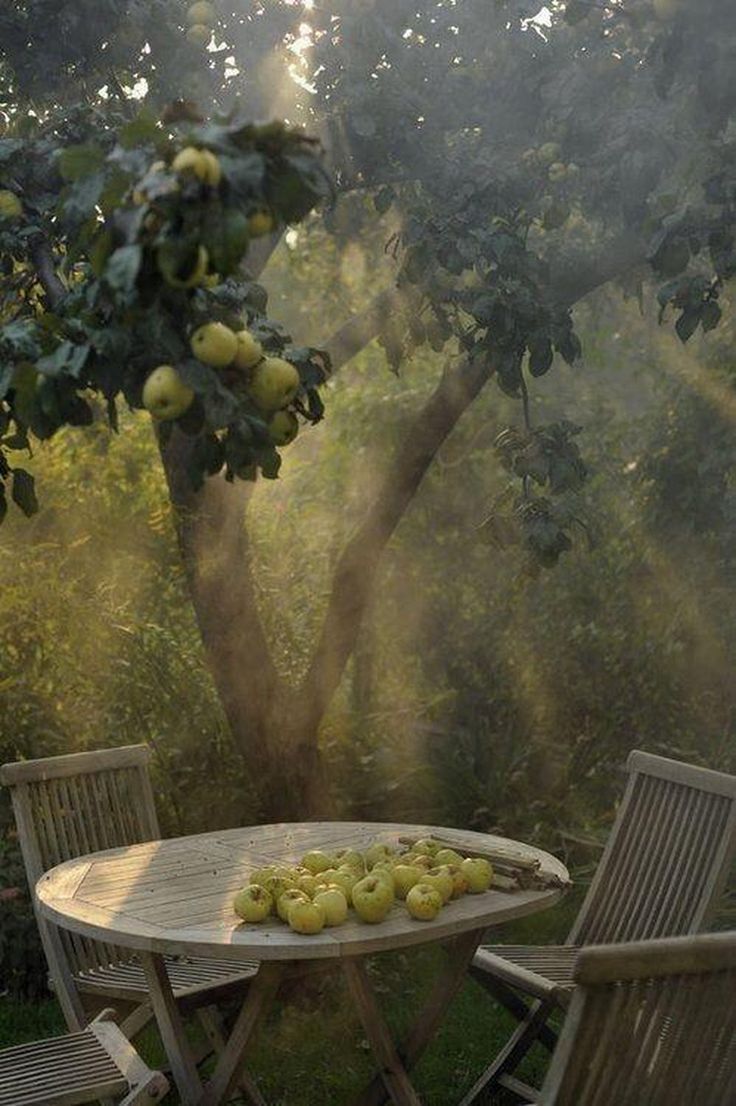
x=188, y=976
x=540, y=970
x=76, y=1068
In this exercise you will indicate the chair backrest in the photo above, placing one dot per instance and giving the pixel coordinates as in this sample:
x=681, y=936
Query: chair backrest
x=667, y=857
x=71, y=805
x=652, y=1023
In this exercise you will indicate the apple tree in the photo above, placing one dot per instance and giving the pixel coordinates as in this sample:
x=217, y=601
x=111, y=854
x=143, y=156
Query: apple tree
x=518, y=156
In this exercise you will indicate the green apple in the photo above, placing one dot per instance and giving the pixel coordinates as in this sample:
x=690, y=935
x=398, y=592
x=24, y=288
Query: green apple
x=273, y=384
x=459, y=880
x=260, y=875
x=276, y=885
x=350, y=857
x=283, y=427
x=425, y=846
x=253, y=903
x=372, y=899
x=165, y=394
x=203, y=164
x=214, y=344
x=182, y=274
x=424, y=902
x=306, y=917
x=309, y=884
x=10, y=205
x=478, y=872
x=249, y=352
x=377, y=852
x=447, y=856
x=317, y=861
x=260, y=223
x=199, y=34
x=286, y=898
x=405, y=876
x=335, y=905
x=549, y=152
x=423, y=861
x=202, y=11
x=385, y=870
x=441, y=879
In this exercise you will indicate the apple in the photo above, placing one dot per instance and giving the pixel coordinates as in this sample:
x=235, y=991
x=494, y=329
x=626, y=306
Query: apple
x=317, y=861
x=405, y=876
x=426, y=846
x=423, y=861
x=260, y=223
x=549, y=153
x=174, y=273
x=345, y=879
x=459, y=880
x=260, y=875
x=350, y=857
x=214, y=344
x=10, y=205
x=447, y=856
x=199, y=34
x=286, y=898
x=377, y=852
x=306, y=917
x=202, y=12
x=253, y=903
x=424, y=902
x=384, y=870
x=335, y=905
x=441, y=879
x=276, y=885
x=202, y=163
x=372, y=899
x=250, y=350
x=165, y=394
x=273, y=384
x=478, y=872
x=283, y=427
x=308, y=884
x=667, y=9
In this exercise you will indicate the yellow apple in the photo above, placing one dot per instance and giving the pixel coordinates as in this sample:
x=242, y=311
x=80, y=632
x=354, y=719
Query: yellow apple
x=166, y=395
x=459, y=880
x=212, y=168
x=309, y=884
x=350, y=857
x=441, y=879
x=317, y=861
x=385, y=870
x=425, y=846
x=260, y=223
x=273, y=384
x=202, y=163
x=372, y=899
x=283, y=427
x=447, y=856
x=201, y=12
x=250, y=350
x=214, y=344
x=405, y=876
x=335, y=905
x=478, y=872
x=253, y=903
x=549, y=152
x=186, y=279
x=378, y=851
x=306, y=917
x=423, y=902
x=10, y=205
x=286, y=898
x=199, y=34
x=260, y=875
x=345, y=879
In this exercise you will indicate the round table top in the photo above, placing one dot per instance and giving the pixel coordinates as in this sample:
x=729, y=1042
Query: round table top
x=175, y=896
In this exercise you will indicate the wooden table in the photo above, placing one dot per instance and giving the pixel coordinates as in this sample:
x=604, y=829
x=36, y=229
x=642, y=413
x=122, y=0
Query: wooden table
x=175, y=897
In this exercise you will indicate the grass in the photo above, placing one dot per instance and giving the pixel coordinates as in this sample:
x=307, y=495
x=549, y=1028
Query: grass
x=311, y=1051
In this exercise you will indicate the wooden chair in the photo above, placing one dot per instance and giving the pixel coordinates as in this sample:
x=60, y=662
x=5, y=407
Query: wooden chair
x=652, y=1023
x=661, y=874
x=98, y=1063
x=67, y=806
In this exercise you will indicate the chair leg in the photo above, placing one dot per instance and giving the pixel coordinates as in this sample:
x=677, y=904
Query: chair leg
x=137, y=1020
x=513, y=1002
x=211, y=1021
x=514, y=1051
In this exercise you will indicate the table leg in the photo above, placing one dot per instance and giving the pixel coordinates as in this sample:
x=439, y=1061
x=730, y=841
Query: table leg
x=171, y=1028
x=261, y=991
x=448, y=983
x=393, y=1074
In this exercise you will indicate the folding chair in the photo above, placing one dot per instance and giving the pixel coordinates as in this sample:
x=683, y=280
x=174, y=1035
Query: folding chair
x=67, y=806
x=98, y=1063
x=661, y=874
x=652, y=1023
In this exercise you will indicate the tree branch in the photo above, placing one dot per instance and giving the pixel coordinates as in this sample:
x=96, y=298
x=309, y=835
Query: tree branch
x=357, y=566
x=44, y=263
x=361, y=329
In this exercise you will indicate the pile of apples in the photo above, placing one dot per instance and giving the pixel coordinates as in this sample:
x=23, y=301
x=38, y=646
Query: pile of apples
x=321, y=890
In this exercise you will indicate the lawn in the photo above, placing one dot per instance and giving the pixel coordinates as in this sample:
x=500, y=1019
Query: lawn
x=311, y=1050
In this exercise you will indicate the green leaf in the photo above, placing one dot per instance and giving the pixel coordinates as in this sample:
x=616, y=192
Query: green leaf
x=225, y=235
x=710, y=316
x=76, y=162
x=141, y=130
x=67, y=359
x=541, y=356
x=688, y=322
x=123, y=266
x=383, y=199
x=24, y=492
